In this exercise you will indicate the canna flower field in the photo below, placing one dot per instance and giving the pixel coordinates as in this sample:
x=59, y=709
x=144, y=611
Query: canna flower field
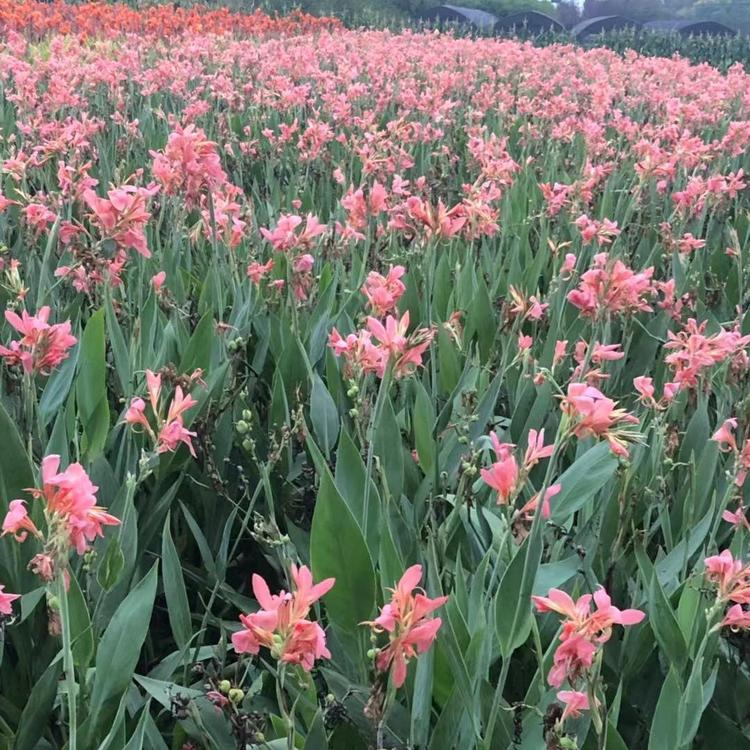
x=363, y=389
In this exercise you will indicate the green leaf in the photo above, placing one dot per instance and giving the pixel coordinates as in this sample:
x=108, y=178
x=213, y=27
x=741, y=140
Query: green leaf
x=421, y=703
x=665, y=724
x=139, y=734
x=178, y=607
x=323, y=415
x=424, y=422
x=91, y=386
x=351, y=478
x=581, y=481
x=388, y=448
x=338, y=550
x=513, y=601
x=38, y=707
x=58, y=388
x=80, y=625
x=197, y=354
x=111, y=566
x=118, y=653
x=316, y=737
x=663, y=622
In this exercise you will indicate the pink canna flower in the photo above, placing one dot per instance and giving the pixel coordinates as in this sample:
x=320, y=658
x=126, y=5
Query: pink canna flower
x=536, y=449
x=730, y=576
x=561, y=347
x=612, y=288
x=285, y=237
x=724, y=436
x=406, y=620
x=17, y=521
x=42, y=347
x=503, y=474
x=737, y=518
x=168, y=432
x=122, y=216
x=594, y=414
x=157, y=281
x=583, y=631
x=575, y=702
x=256, y=272
x=529, y=508
x=6, y=601
x=281, y=625
x=384, y=292
x=645, y=387
x=736, y=618
x=72, y=517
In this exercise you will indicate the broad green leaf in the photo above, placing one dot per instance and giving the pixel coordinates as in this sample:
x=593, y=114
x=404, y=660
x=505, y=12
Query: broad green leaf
x=118, y=653
x=665, y=726
x=323, y=415
x=388, y=449
x=80, y=625
x=513, y=600
x=91, y=386
x=178, y=607
x=338, y=550
x=581, y=481
x=38, y=707
x=58, y=387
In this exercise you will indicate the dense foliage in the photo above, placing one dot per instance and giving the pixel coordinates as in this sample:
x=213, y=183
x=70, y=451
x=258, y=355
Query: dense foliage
x=446, y=338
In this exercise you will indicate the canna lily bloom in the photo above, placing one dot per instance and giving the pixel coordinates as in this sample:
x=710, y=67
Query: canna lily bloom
x=583, y=631
x=285, y=237
x=503, y=474
x=731, y=577
x=536, y=449
x=169, y=431
x=594, y=414
x=575, y=702
x=42, y=347
x=6, y=600
x=70, y=499
x=737, y=517
x=281, y=625
x=724, y=436
x=405, y=619
x=122, y=216
x=645, y=387
x=383, y=292
x=18, y=523
x=736, y=618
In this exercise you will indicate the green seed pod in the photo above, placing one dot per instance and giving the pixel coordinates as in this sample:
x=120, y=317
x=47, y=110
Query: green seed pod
x=225, y=686
x=236, y=695
x=242, y=427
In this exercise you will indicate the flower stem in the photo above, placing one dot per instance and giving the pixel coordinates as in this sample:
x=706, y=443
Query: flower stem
x=70, y=677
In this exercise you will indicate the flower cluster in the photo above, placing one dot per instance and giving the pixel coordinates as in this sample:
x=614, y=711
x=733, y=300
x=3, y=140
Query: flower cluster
x=71, y=514
x=595, y=415
x=732, y=580
x=507, y=478
x=167, y=431
x=582, y=635
x=611, y=287
x=42, y=347
x=281, y=625
x=406, y=620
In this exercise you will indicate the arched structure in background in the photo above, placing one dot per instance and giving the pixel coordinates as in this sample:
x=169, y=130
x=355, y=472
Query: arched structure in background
x=598, y=24
x=532, y=20
x=480, y=19
x=686, y=27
